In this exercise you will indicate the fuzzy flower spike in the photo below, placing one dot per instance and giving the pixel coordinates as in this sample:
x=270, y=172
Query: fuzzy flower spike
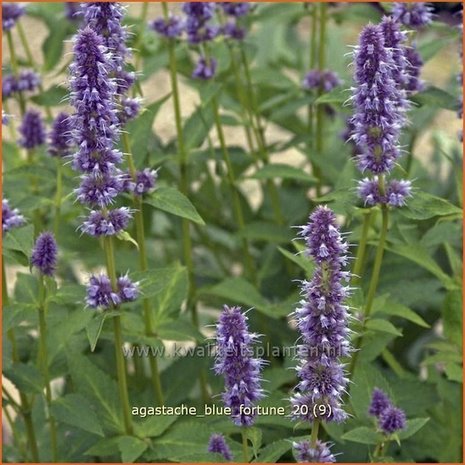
x=414, y=14
x=11, y=217
x=217, y=444
x=322, y=322
x=44, y=255
x=235, y=361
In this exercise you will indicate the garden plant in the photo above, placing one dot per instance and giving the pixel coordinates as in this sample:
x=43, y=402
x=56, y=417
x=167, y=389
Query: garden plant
x=232, y=232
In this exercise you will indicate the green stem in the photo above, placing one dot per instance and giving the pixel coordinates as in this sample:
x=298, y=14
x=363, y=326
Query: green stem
x=15, y=69
x=373, y=282
x=120, y=363
x=31, y=62
x=14, y=430
x=238, y=213
x=58, y=195
x=320, y=116
x=183, y=181
x=143, y=266
x=245, y=448
x=44, y=365
x=24, y=402
x=361, y=250
x=314, y=435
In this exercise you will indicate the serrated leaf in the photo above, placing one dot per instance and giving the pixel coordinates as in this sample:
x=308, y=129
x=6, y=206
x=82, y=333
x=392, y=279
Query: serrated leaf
x=452, y=316
x=337, y=96
x=395, y=309
x=279, y=170
x=423, y=206
x=131, y=448
x=20, y=239
x=254, y=435
x=435, y=97
x=52, y=97
x=363, y=435
x=27, y=378
x=299, y=259
x=377, y=324
x=74, y=410
x=273, y=451
x=172, y=201
x=155, y=426
x=413, y=426
x=270, y=232
x=179, y=330
x=94, y=328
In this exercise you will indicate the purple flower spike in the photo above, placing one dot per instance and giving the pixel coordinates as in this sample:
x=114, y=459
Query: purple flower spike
x=415, y=14
x=100, y=293
x=32, y=130
x=378, y=116
x=379, y=402
x=128, y=291
x=44, y=254
x=392, y=419
x=236, y=9
x=11, y=217
x=413, y=83
x=9, y=85
x=205, y=68
x=232, y=30
x=110, y=223
x=396, y=193
x=322, y=322
x=170, y=28
x=11, y=12
x=144, y=183
x=60, y=142
x=321, y=453
x=235, y=361
x=28, y=80
x=217, y=444
x=325, y=80
x=130, y=108
x=198, y=15
x=99, y=190
x=92, y=95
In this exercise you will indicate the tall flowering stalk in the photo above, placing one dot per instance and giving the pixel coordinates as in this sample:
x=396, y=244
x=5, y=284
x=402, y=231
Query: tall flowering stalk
x=324, y=334
x=44, y=260
x=106, y=20
x=380, y=104
x=241, y=370
x=95, y=131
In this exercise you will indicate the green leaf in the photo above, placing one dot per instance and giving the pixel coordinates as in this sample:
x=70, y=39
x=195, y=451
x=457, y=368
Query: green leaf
x=172, y=201
x=26, y=378
x=237, y=290
x=337, y=96
x=126, y=237
x=197, y=127
x=179, y=330
x=52, y=47
x=452, y=316
x=104, y=447
x=97, y=386
x=94, y=328
x=20, y=239
x=436, y=98
x=131, y=448
x=278, y=170
x=454, y=372
x=413, y=426
x=254, y=435
x=140, y=130
x=52, y=97
x=389, y=307
x=423, y=206
x=273, y=451
x=74, y=410
x=270, y=232
x=429, y=49
x=377, y=324
x=155, y=426
x=301, y=260
x=363, y=435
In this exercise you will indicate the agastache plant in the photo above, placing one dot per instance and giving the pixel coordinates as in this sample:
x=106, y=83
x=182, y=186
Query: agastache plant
x=217, y=444
x=322, y=322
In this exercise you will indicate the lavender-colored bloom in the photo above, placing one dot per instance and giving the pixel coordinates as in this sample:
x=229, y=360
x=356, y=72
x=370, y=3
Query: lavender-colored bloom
x=95, y=121
x=378, y=117
x=205, y=68
x=198, y=15
x=11, y=217
x=28, y=80
x=322, y=321
x=321, y=453
x=72, y=11
x=11, y=12
x=32, y=130
x=236, y=9
x=379, y=402
x=99, y=189
x=128, y=291
x=170, y=28
x=100, y=293
x=325, y=80
x=232, y=30
x=235, y=361
x=416, y=14
x=413, y=83
x=217, y=444
x=9, y=85
x=110, y=223
x=144, y=183
x=44, y=254
x=396, y=192
x=130, y=108
x=60, y=142
x=392, y=419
